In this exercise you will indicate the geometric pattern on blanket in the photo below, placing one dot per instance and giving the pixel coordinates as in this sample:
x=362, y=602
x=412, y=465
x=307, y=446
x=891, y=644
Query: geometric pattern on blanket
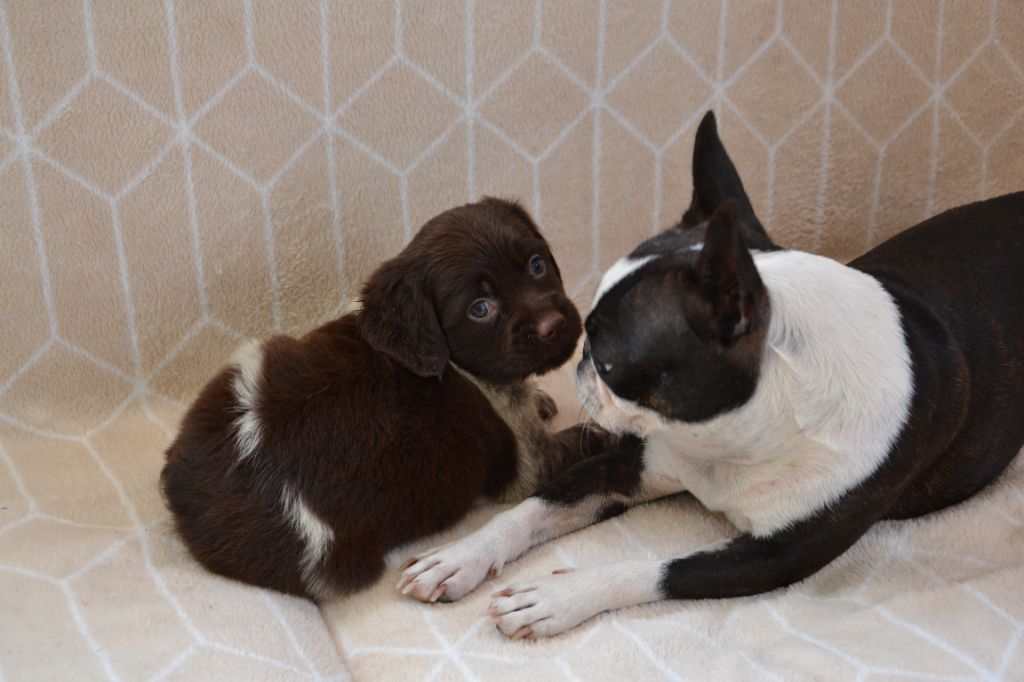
x=93, y=562
x=168, y=192
x=94, y=584
x=939, y=598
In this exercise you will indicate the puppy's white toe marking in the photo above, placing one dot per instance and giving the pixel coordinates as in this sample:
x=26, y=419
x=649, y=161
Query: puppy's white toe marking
x=248, y=361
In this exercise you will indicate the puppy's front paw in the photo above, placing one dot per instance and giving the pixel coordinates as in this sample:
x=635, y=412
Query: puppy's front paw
x=547, y=408
x=452, y=571
x=548, y=605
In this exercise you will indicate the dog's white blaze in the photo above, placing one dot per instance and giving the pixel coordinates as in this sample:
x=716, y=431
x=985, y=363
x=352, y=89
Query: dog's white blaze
x=316, y=535
x=248, y=360
x=616, y=273
x=834, y=392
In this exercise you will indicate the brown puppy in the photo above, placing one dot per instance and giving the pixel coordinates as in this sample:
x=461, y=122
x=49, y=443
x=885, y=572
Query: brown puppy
x=305, y=460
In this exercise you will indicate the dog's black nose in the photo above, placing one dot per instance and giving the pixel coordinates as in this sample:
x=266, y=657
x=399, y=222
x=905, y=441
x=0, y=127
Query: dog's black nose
x=549, y=324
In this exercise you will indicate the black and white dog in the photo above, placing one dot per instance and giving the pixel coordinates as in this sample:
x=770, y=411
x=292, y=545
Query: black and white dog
x=803, y=398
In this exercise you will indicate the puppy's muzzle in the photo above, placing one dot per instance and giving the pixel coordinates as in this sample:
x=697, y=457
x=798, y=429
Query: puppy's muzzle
x=549, y=324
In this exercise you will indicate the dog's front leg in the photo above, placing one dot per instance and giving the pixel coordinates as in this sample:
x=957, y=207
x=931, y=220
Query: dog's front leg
x=591, y=490
x=563, y=449
x=748, y=565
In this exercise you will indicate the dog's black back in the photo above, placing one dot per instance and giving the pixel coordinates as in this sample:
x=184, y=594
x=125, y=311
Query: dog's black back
x=958, y=279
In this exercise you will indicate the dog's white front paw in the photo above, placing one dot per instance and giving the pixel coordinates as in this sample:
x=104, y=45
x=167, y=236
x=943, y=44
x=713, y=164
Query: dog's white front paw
x=452, y=571
x=548, y=605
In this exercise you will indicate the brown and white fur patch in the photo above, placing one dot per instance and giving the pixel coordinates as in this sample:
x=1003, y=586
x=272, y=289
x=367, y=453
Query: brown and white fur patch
x=305, y=460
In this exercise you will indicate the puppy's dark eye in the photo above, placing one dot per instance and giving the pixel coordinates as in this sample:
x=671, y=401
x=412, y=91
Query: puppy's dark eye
x=481, y=309
x=537, y=266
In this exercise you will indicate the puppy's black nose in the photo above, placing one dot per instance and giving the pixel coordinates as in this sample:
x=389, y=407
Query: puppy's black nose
x=549, y=324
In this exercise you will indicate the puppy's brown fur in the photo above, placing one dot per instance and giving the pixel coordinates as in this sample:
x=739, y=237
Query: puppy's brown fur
x=302, y=462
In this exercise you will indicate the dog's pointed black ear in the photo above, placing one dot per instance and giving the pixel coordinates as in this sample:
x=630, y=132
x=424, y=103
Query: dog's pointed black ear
x=398, y=319
x=726, y=286
x=715, y=181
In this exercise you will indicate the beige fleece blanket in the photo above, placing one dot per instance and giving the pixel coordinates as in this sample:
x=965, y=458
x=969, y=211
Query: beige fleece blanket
x=938, y=598
x=176, y=176
x=94, y=585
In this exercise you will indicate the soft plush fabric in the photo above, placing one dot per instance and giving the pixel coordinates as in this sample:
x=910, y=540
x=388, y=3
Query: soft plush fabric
x=936, y=598
x=176, y=176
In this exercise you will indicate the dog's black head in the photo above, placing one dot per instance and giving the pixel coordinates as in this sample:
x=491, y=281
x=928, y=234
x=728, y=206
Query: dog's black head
x=476, y=286
x=678, y=326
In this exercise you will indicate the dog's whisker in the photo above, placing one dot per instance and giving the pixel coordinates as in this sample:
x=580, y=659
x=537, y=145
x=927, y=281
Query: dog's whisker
x=585, y=429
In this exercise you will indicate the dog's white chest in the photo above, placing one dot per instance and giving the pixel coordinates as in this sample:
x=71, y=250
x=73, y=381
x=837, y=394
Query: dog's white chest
x=758, y=497
x=833, y=394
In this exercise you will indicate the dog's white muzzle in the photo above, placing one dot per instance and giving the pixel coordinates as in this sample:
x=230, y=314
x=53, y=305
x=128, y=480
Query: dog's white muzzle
x=607, y=409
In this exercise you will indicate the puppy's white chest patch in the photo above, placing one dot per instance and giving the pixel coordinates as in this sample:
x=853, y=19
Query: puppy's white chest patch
x=518, y=407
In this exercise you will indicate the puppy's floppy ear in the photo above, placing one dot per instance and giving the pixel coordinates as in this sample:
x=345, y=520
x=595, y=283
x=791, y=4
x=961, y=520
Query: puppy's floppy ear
x=715, y=181
x=725, y=284
x=398, y=318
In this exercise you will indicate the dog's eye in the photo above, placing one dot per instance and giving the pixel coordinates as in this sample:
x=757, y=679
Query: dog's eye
x=537, y=267
x=481, y=309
